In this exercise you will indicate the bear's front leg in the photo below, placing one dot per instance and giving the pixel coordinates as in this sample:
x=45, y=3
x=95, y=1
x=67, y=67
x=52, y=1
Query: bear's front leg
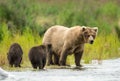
x=63, y=58
x=78, y=57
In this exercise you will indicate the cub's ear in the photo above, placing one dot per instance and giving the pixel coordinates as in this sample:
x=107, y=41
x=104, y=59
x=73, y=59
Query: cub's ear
x=95, y=29
x=43, y=46
x=83, y=28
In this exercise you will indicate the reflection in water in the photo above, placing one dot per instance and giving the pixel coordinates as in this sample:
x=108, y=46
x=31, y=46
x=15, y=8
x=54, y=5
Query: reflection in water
x=109, y=70
x=5, y=75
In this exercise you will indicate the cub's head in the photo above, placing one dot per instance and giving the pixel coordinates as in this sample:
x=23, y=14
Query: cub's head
x=89, y=34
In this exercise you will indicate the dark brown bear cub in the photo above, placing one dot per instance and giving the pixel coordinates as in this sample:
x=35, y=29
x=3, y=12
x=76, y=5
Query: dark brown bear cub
x=37, y=56
x=15, y=55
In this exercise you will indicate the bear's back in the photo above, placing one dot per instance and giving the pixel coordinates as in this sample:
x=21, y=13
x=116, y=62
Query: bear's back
x=15, y=48
x=54, y=33
x=57, y=35
x=37, y=51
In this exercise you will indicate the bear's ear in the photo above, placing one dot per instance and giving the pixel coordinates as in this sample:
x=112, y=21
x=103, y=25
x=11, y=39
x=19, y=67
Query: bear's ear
x=95, y=29
x=83, y=28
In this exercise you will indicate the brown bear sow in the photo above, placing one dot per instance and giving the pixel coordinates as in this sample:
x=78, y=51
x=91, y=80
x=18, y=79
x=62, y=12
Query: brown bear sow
x=15, y=55
x=37, y=56
x=66, y=41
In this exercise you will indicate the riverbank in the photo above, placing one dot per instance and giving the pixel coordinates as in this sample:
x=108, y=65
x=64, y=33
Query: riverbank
x=109, y=70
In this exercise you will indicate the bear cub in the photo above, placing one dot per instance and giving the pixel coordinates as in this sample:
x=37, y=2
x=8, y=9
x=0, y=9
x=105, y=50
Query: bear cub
x=14, y=55
x=37, y=56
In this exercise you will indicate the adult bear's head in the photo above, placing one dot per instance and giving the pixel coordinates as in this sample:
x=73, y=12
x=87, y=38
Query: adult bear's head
x=89, y=34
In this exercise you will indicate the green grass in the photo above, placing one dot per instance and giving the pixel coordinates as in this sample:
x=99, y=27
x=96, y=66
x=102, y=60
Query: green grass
x=105, y=47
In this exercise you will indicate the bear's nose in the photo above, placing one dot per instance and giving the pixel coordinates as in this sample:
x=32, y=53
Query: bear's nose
x=91, y=42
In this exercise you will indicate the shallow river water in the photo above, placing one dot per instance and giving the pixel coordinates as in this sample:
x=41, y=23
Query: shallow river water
x=109, y=70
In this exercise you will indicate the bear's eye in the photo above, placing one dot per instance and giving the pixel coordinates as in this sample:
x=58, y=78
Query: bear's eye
x=87, y=36
x=93, y=36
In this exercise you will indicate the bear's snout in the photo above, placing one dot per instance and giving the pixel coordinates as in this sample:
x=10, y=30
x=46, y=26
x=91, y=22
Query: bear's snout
x=91, y=41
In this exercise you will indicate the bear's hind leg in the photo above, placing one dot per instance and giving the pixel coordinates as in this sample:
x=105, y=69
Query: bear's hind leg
x=19, y=62
x=44, y=62
x=11, y=63
x=16, y=63
x=56, y=59
x=40, y=64
x=34, y=66
x=49, y=58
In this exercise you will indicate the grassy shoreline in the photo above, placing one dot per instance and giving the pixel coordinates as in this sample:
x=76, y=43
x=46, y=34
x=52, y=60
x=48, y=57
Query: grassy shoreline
x=105, y=47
